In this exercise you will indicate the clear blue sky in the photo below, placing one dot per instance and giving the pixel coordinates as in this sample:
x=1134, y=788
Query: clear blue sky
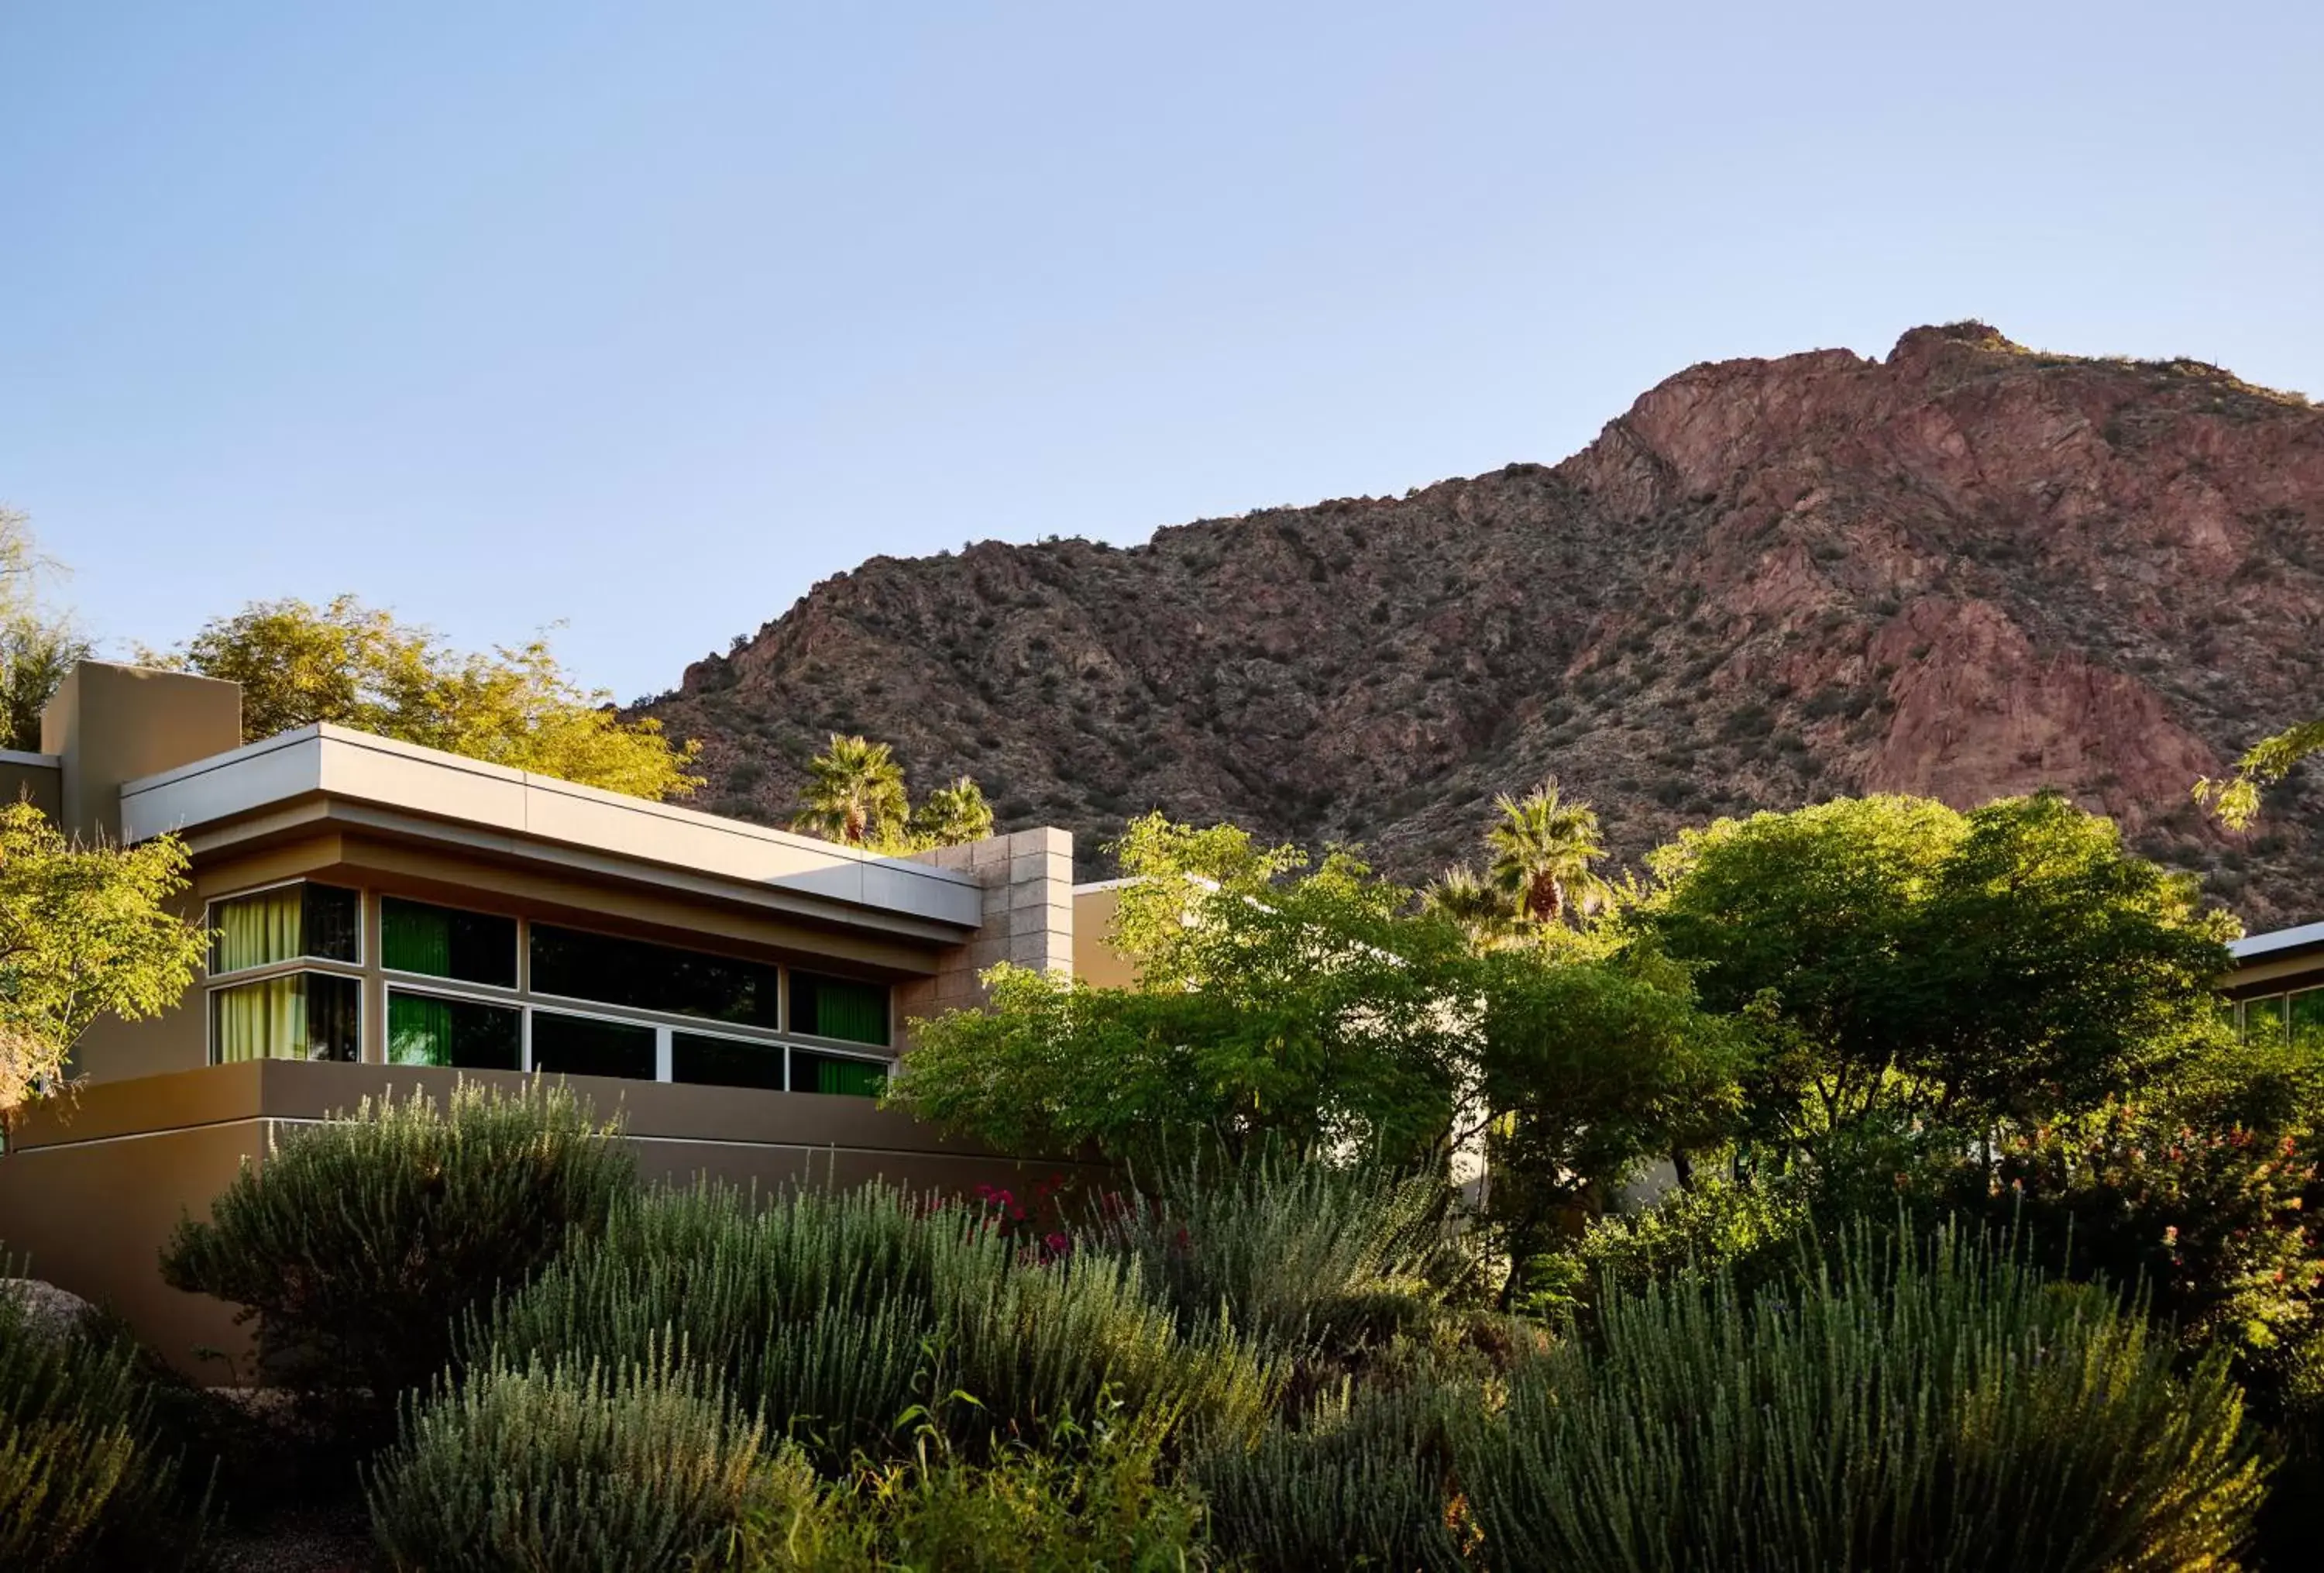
x=647, y=317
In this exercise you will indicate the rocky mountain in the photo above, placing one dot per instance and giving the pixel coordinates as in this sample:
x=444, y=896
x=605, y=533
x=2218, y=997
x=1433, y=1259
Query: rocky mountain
x=1965, y=570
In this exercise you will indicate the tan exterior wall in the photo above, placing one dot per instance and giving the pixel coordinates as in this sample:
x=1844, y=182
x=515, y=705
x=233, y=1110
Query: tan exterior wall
x=1095, y=960
x=35, y=779
x=92, y=1187
x=110, y=724
x=1028, y=880
x=2279, y=974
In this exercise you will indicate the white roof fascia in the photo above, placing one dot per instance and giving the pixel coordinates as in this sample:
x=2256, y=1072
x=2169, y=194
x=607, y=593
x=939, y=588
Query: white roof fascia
x=356, y=767
x=2257, y=945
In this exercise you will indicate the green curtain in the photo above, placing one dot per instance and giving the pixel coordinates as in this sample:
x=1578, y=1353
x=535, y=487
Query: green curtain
x=415, y=939
x=419, y=1030
x=857, y=1012
x=255, y=930
x=266, y=1020
x=2263, y=1020
x=849, y=1077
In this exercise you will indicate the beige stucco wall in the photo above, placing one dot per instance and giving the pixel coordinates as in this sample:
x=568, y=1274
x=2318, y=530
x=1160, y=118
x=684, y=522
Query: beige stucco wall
x=1027, y=882
x=93, y=1185
x=1095, y=960
x=110, y=724
x=37, y=779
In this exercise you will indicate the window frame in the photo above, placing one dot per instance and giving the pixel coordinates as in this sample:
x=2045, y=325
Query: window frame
x=248, y=976
x=661, y=1041
x=781, y=969
x=301, y=962
x=391, y=989
x=521, y=932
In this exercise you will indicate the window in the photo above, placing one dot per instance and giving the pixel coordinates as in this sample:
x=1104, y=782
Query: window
x=839, y=1007
x=441, y=942
x=300, y=1015
x=834, y=1073
x=651, y=978
x=2263, y=1020
x=430, y=1030
x=591, y=1046
x=291, y=922
x=699, y=1058
x=2308, y=1020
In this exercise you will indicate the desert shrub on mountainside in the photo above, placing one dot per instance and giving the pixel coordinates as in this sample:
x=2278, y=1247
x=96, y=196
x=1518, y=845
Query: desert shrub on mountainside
x=360, y=1243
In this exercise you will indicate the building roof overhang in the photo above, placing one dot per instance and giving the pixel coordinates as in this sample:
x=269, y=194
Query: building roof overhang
x=322, y=777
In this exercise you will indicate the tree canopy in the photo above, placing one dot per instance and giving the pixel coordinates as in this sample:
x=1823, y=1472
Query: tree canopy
x=2237, y=798
x=85, y=932
x=1897, y=954
x=356, y=666
x=38, y=644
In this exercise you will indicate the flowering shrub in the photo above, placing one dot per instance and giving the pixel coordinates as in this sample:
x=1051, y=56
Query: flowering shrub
x=2211, y=1224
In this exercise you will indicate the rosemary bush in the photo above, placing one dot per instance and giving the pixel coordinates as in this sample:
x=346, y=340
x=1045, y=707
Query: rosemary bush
x=1305, y=1259
x=358, y=1243
x=1364, y=1482
x=1109, y=1504
x=834, y=1314
x=565, y=1467
x=84, y=1481
x=1931, y=1405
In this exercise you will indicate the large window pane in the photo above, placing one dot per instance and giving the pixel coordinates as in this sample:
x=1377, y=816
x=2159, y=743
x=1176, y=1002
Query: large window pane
x=651, y=978
x=833, y=1073
x=839, y=1007
x=2308, y=1020
x=425, y=1029
x=300, y=1015
x=443, y=943
x=586, y=1046
x=291, y=922
x=724, y=1063
x=2263, y=1020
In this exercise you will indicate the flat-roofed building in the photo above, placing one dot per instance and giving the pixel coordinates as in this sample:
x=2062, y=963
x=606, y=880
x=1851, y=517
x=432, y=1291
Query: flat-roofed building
x=390, y=917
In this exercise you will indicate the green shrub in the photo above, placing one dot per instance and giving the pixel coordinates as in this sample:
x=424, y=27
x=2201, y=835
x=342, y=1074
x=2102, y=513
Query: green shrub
x=1363, y=1483
x=1308, y=1261
x=84, y=1479
x=358, y=1243
x=1106, y=1505
x=832, y=1314
x=509, y=1470
x=1935, y=1406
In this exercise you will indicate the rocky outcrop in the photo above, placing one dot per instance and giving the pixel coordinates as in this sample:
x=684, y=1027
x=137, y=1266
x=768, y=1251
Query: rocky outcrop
x=1965, y=570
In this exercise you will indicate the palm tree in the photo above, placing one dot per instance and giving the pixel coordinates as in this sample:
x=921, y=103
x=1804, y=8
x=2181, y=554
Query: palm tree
x=953, y=814
x=1460, y=895
x=1542, y=852
x=855, y=793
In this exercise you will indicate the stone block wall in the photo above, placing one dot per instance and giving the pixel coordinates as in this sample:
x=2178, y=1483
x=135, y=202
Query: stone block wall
x=1028, y=880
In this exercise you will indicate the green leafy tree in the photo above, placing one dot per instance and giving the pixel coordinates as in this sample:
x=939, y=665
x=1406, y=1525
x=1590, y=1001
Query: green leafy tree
x=356, y=666
x=952, y=816
x=1900, y=959
x=1544, y=850
x=1592, y=1068
x=37, y=644
x=1278, y=1005
x=855, y=795
x=2236, y=800
x=85, y=932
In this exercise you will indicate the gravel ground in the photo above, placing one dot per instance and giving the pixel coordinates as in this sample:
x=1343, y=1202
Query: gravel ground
x=318, y=1540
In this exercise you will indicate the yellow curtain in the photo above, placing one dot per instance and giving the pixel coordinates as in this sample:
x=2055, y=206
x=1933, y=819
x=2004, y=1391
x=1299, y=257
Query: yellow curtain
x=266, y=1020
x=255, y=930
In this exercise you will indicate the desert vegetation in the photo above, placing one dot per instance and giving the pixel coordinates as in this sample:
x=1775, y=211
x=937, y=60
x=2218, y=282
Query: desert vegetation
x=1871, y=1185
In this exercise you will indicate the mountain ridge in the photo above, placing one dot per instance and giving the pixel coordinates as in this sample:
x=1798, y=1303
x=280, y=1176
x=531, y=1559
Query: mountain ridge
x=1966, y=570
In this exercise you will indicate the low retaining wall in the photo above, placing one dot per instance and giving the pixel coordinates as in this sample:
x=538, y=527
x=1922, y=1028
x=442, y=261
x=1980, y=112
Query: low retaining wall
x=93, y=1182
